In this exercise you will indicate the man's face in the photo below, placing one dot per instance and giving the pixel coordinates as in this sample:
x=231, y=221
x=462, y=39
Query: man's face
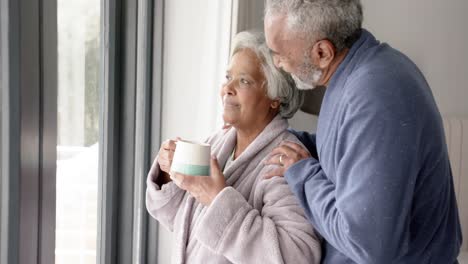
x=291, y=53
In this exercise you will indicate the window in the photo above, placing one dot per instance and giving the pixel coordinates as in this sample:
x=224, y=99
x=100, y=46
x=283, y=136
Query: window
x=77, y=118
x=78, y=24
x=1, y=130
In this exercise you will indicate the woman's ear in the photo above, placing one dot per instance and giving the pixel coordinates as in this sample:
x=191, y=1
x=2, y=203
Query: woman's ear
x=275, y=104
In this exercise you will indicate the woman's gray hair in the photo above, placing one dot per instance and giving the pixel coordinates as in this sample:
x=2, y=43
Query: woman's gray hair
x=339, y=21
x=279, y=84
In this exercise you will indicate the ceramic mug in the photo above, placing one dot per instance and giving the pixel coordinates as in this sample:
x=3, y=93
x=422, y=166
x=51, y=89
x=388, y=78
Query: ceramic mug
x=191, y=158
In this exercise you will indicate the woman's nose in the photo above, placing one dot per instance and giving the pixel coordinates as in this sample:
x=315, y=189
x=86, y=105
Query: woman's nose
x=228, y=88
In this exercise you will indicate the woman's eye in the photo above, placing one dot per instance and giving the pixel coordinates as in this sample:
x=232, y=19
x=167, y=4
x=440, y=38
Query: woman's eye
x=244, y=81
x=228, y=77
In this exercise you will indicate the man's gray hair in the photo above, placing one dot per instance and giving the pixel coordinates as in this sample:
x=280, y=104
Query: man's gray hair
x=279, y=84
x=339, y=21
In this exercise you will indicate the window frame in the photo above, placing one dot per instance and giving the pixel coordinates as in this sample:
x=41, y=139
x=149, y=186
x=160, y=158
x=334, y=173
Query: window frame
x=131, y=72
x=132, y=85
x=29, y=122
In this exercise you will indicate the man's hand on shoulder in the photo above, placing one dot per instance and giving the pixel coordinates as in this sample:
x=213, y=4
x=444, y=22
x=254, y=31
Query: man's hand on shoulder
x=285, y=155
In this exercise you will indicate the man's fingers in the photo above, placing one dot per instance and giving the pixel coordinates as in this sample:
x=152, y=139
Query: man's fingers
x=288, y=151
x=273, y=160
x=274, y=172
x=292, y=145
x=281, y=150
x=275, y=151
x=296, y=147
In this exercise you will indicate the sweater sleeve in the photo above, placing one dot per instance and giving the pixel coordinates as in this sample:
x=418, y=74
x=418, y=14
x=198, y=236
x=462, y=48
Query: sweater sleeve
x=309, y=141
x=278, y=233
x=365, y=211
x=163, y=202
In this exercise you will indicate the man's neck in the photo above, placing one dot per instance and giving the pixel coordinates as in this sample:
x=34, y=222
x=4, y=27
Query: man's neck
x=328, y=74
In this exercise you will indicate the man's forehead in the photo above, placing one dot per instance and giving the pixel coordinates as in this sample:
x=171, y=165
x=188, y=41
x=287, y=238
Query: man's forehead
x=274, y=30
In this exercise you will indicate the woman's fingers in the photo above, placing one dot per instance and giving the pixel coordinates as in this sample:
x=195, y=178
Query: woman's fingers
x=170, y=144
x=181, y=180
x=164, y=160
x=203, y=188
x=166, y=154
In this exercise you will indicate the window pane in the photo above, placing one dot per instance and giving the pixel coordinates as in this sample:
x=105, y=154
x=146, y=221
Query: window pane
x=1, y=126
x=78, y=130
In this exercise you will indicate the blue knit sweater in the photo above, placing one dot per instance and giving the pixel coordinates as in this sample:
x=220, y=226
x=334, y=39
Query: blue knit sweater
x=381, y=190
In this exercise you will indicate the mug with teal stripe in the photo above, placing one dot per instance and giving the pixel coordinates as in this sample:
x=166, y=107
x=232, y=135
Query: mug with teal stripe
x=192, y=158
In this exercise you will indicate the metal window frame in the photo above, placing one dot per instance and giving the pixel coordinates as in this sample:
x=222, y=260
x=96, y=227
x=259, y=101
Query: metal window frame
x=131, y=101
x=130, y=129
x=156, y=117
x=28, y=41
x=109, y=133
x=9, y=231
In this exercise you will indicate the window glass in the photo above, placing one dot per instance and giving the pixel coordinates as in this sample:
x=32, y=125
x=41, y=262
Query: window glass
x=78, y=130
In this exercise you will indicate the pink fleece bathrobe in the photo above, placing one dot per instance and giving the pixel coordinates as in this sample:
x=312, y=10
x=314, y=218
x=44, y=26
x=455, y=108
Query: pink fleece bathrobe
x=253, y=220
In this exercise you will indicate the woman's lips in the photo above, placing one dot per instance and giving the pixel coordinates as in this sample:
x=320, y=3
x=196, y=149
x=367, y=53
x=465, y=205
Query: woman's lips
x=228, y=103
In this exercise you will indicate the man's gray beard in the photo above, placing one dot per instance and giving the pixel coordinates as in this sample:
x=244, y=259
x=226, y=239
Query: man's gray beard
x=311, y=82
x=302, y=85
x=310, y=77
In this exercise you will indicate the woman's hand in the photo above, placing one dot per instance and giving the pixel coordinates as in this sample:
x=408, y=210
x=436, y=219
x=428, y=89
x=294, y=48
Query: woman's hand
x=203, y=188
x=166, y=154
x=164, y=161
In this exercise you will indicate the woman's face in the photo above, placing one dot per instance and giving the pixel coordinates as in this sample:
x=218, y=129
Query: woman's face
x=244, y=94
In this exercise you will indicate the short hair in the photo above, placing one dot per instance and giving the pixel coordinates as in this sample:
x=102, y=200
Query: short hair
x=339, y=21
x=279, y=84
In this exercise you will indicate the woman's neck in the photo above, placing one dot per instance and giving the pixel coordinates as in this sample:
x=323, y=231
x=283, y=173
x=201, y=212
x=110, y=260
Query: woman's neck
x=247, y=135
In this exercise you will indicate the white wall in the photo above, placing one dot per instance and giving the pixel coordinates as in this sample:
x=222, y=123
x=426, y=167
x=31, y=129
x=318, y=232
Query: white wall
x=434, y=35
x=249, y=15
x=196, y=51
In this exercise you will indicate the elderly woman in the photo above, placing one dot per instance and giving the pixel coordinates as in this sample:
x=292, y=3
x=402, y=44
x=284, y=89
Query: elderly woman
x=236, y=215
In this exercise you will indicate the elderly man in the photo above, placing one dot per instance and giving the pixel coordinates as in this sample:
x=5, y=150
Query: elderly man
x=379, y=189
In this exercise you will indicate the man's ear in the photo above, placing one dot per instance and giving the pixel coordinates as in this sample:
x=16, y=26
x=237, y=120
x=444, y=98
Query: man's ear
x=323, y=53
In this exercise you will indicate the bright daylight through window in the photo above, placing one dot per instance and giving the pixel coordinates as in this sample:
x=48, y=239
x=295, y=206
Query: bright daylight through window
x=78, y=130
